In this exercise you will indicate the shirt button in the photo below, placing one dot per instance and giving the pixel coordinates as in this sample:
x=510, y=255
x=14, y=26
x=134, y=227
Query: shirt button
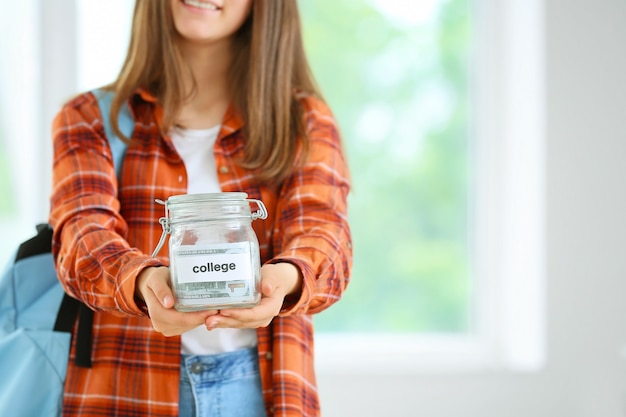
x=269, y=356
x=197, y=368
x=223, y=169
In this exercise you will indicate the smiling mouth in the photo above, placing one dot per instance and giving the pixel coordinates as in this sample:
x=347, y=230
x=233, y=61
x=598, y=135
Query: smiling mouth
x=201, y=4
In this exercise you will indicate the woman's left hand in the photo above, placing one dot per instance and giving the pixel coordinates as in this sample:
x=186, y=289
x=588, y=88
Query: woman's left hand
x=277, y=281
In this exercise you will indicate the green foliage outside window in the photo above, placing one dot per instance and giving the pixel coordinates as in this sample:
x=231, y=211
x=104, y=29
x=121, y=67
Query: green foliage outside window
x=400, y=90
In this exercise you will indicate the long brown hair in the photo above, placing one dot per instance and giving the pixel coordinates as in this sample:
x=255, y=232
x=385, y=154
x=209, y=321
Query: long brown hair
x=269, y=67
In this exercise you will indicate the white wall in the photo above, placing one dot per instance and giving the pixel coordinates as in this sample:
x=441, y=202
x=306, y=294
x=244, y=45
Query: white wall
x=586, y=244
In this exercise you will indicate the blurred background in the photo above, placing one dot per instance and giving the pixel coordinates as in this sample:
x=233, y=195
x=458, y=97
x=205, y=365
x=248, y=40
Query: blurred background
x=487, y=145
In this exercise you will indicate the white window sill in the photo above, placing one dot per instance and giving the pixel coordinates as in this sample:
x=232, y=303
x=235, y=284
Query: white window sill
x=407, y=354
x=397, y=354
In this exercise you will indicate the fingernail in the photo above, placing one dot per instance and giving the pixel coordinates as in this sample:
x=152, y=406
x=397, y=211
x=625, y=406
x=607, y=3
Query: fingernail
x=168, y=300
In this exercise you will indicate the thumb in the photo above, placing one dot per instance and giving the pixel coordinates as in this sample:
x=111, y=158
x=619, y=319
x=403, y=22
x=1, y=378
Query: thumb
x=163, y=293
x=155, y=280
x=267, y=288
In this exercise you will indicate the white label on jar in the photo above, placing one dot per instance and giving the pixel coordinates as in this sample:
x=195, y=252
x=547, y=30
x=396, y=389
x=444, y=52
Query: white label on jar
x=209, y=263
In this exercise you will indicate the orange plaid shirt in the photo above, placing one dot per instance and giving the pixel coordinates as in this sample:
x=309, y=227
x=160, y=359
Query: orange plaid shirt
x=104, y=233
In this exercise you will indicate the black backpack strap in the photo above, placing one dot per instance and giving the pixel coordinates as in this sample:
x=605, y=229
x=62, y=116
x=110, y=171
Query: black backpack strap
x=67, y=314
x=83, y=337
x=36, y=245
x=69, y=310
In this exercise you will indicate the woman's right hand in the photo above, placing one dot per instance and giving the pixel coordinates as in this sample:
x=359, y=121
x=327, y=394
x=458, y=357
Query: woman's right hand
x=153, y=287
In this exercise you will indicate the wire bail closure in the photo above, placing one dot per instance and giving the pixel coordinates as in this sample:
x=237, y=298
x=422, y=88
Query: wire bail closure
x=261, y=212
x=165, y=224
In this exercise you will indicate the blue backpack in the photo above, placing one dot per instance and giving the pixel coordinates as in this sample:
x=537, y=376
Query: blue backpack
x=37, y=316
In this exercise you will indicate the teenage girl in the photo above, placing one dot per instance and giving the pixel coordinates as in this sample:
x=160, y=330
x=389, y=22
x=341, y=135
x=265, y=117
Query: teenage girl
x=222, y=100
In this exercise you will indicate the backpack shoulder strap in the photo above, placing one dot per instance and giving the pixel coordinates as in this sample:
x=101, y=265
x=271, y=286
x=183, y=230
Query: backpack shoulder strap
x=126, y=125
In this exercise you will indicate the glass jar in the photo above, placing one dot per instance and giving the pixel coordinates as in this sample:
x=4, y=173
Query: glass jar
x=214, y=252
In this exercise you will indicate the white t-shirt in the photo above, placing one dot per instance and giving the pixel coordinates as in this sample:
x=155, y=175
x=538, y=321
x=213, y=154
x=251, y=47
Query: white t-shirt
x=195, y=147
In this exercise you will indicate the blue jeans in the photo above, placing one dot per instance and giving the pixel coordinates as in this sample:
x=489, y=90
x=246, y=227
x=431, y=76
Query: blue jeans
x=223, y=385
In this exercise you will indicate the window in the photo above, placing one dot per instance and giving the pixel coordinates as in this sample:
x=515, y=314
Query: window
x=105, y=32
x=20, y=160
x=398, y=76
x=441, y=106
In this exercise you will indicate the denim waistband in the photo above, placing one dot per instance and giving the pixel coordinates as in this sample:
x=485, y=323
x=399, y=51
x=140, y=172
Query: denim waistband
x=221, y=366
